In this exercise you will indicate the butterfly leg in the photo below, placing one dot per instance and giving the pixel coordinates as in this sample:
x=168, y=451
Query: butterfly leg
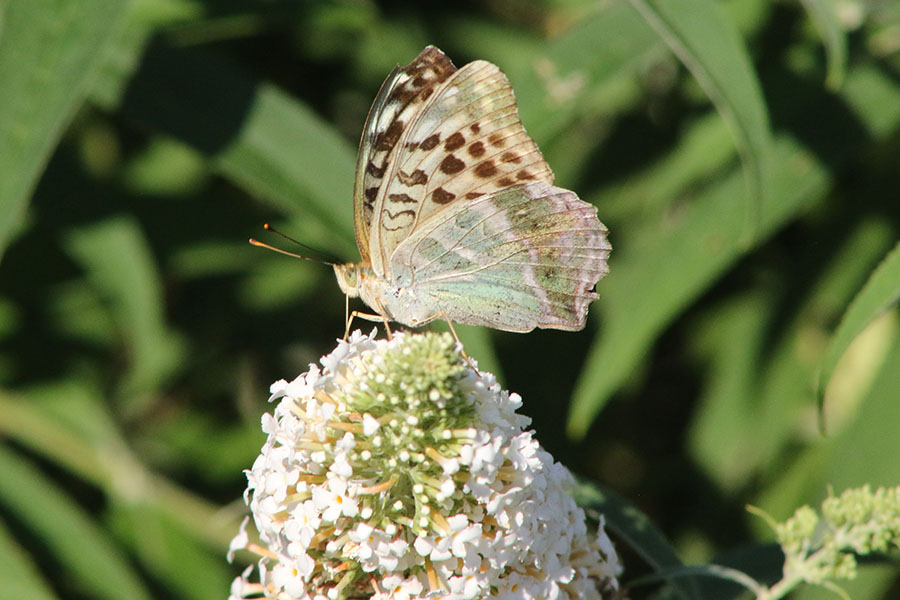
x=347, y=319
x=367, y=317
x=384, y=318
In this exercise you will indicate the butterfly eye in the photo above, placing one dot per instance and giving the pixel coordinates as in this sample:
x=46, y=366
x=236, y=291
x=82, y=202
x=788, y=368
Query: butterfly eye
x=350, y=278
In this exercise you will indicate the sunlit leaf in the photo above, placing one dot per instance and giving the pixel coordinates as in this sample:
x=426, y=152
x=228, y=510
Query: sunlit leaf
x=708, y=44
x=79, y=544
x=49, y=53
x=659, y=275
x=252, y=132
x=650, y=284
x=880, y=293
x=19, y=574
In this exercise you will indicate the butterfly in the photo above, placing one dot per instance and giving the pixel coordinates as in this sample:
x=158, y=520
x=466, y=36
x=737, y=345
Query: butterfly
x=455, y=212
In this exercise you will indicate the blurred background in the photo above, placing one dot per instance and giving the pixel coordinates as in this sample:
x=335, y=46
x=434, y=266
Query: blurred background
x=745, y=155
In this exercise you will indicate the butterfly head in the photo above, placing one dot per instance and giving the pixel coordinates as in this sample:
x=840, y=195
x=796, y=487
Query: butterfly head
x=349, y=277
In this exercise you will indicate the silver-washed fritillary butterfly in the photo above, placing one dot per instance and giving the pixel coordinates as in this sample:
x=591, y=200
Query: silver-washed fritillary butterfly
x=455, y=211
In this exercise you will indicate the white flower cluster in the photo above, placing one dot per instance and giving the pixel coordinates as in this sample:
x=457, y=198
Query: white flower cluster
x=396, y=471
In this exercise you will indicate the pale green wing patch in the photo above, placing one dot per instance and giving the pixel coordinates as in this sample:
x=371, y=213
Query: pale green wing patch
x=526, y=256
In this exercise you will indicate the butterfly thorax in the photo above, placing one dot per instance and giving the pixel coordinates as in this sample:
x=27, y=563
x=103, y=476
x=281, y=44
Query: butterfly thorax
x=388, y=298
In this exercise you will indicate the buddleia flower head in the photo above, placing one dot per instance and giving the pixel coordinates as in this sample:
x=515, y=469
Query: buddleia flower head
x=397, y=471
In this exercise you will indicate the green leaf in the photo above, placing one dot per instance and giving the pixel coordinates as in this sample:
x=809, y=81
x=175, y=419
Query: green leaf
x=634, y=527
x=190, y=568
x=90, y=558
x=117, y=259
x=65, y=422
x=824, y=15
x=639, y=298
x=253, y=133
x=19, y=576
x=757, y=383
x=50, y=50
x=880, y=293
x=562, y=81
x=708, y=44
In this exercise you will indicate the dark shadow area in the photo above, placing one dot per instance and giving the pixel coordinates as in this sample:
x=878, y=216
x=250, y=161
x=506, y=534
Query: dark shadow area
x=175, y=90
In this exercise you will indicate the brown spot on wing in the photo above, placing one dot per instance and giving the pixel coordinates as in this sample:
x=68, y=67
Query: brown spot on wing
x=473, y=195
x=395, y=216
x=407, y=212
x=475, y=127
x=454, y=142
x=371, y=193
x=406, y=198
x=452, y=165
x=486, y=169
x=497, y=140
x=430, y=142
x=387, y=139
x=417, y=177
x=375, y=170
x=442, y=196
x=476, y=149
x=505, y=182
x=511, y=157
x=524, y=175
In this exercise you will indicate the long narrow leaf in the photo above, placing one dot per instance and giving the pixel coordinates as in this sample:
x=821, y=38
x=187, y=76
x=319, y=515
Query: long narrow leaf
x=77, y=542
x=823, y=14
x=648, y=287
x=117, y=258
x=710, y=47
x=19, y=575
x=880, y=292
x=254, y=134
x=49, y=53
x=640, y=298
x=635, y=528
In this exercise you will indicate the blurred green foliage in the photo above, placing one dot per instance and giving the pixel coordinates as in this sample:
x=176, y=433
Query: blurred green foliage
x=744, y=154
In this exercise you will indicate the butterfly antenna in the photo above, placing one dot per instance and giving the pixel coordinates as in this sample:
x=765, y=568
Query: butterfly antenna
x=325, y=260
x=316, y=259
x=285, y=252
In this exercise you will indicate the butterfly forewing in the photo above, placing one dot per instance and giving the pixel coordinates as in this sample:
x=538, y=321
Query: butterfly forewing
x=524, y=257
x=465, y=142
x=402, y=95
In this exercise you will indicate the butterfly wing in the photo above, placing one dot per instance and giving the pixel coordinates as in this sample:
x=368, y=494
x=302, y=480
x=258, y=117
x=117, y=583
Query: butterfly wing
x=401, y=95
x=466, y=140
x=523, y=257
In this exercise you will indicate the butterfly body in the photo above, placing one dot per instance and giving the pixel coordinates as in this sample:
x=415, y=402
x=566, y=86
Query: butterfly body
x=455, y=212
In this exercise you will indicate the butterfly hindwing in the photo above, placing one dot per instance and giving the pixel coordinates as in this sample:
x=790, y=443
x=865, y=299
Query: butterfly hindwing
x=523, y=257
